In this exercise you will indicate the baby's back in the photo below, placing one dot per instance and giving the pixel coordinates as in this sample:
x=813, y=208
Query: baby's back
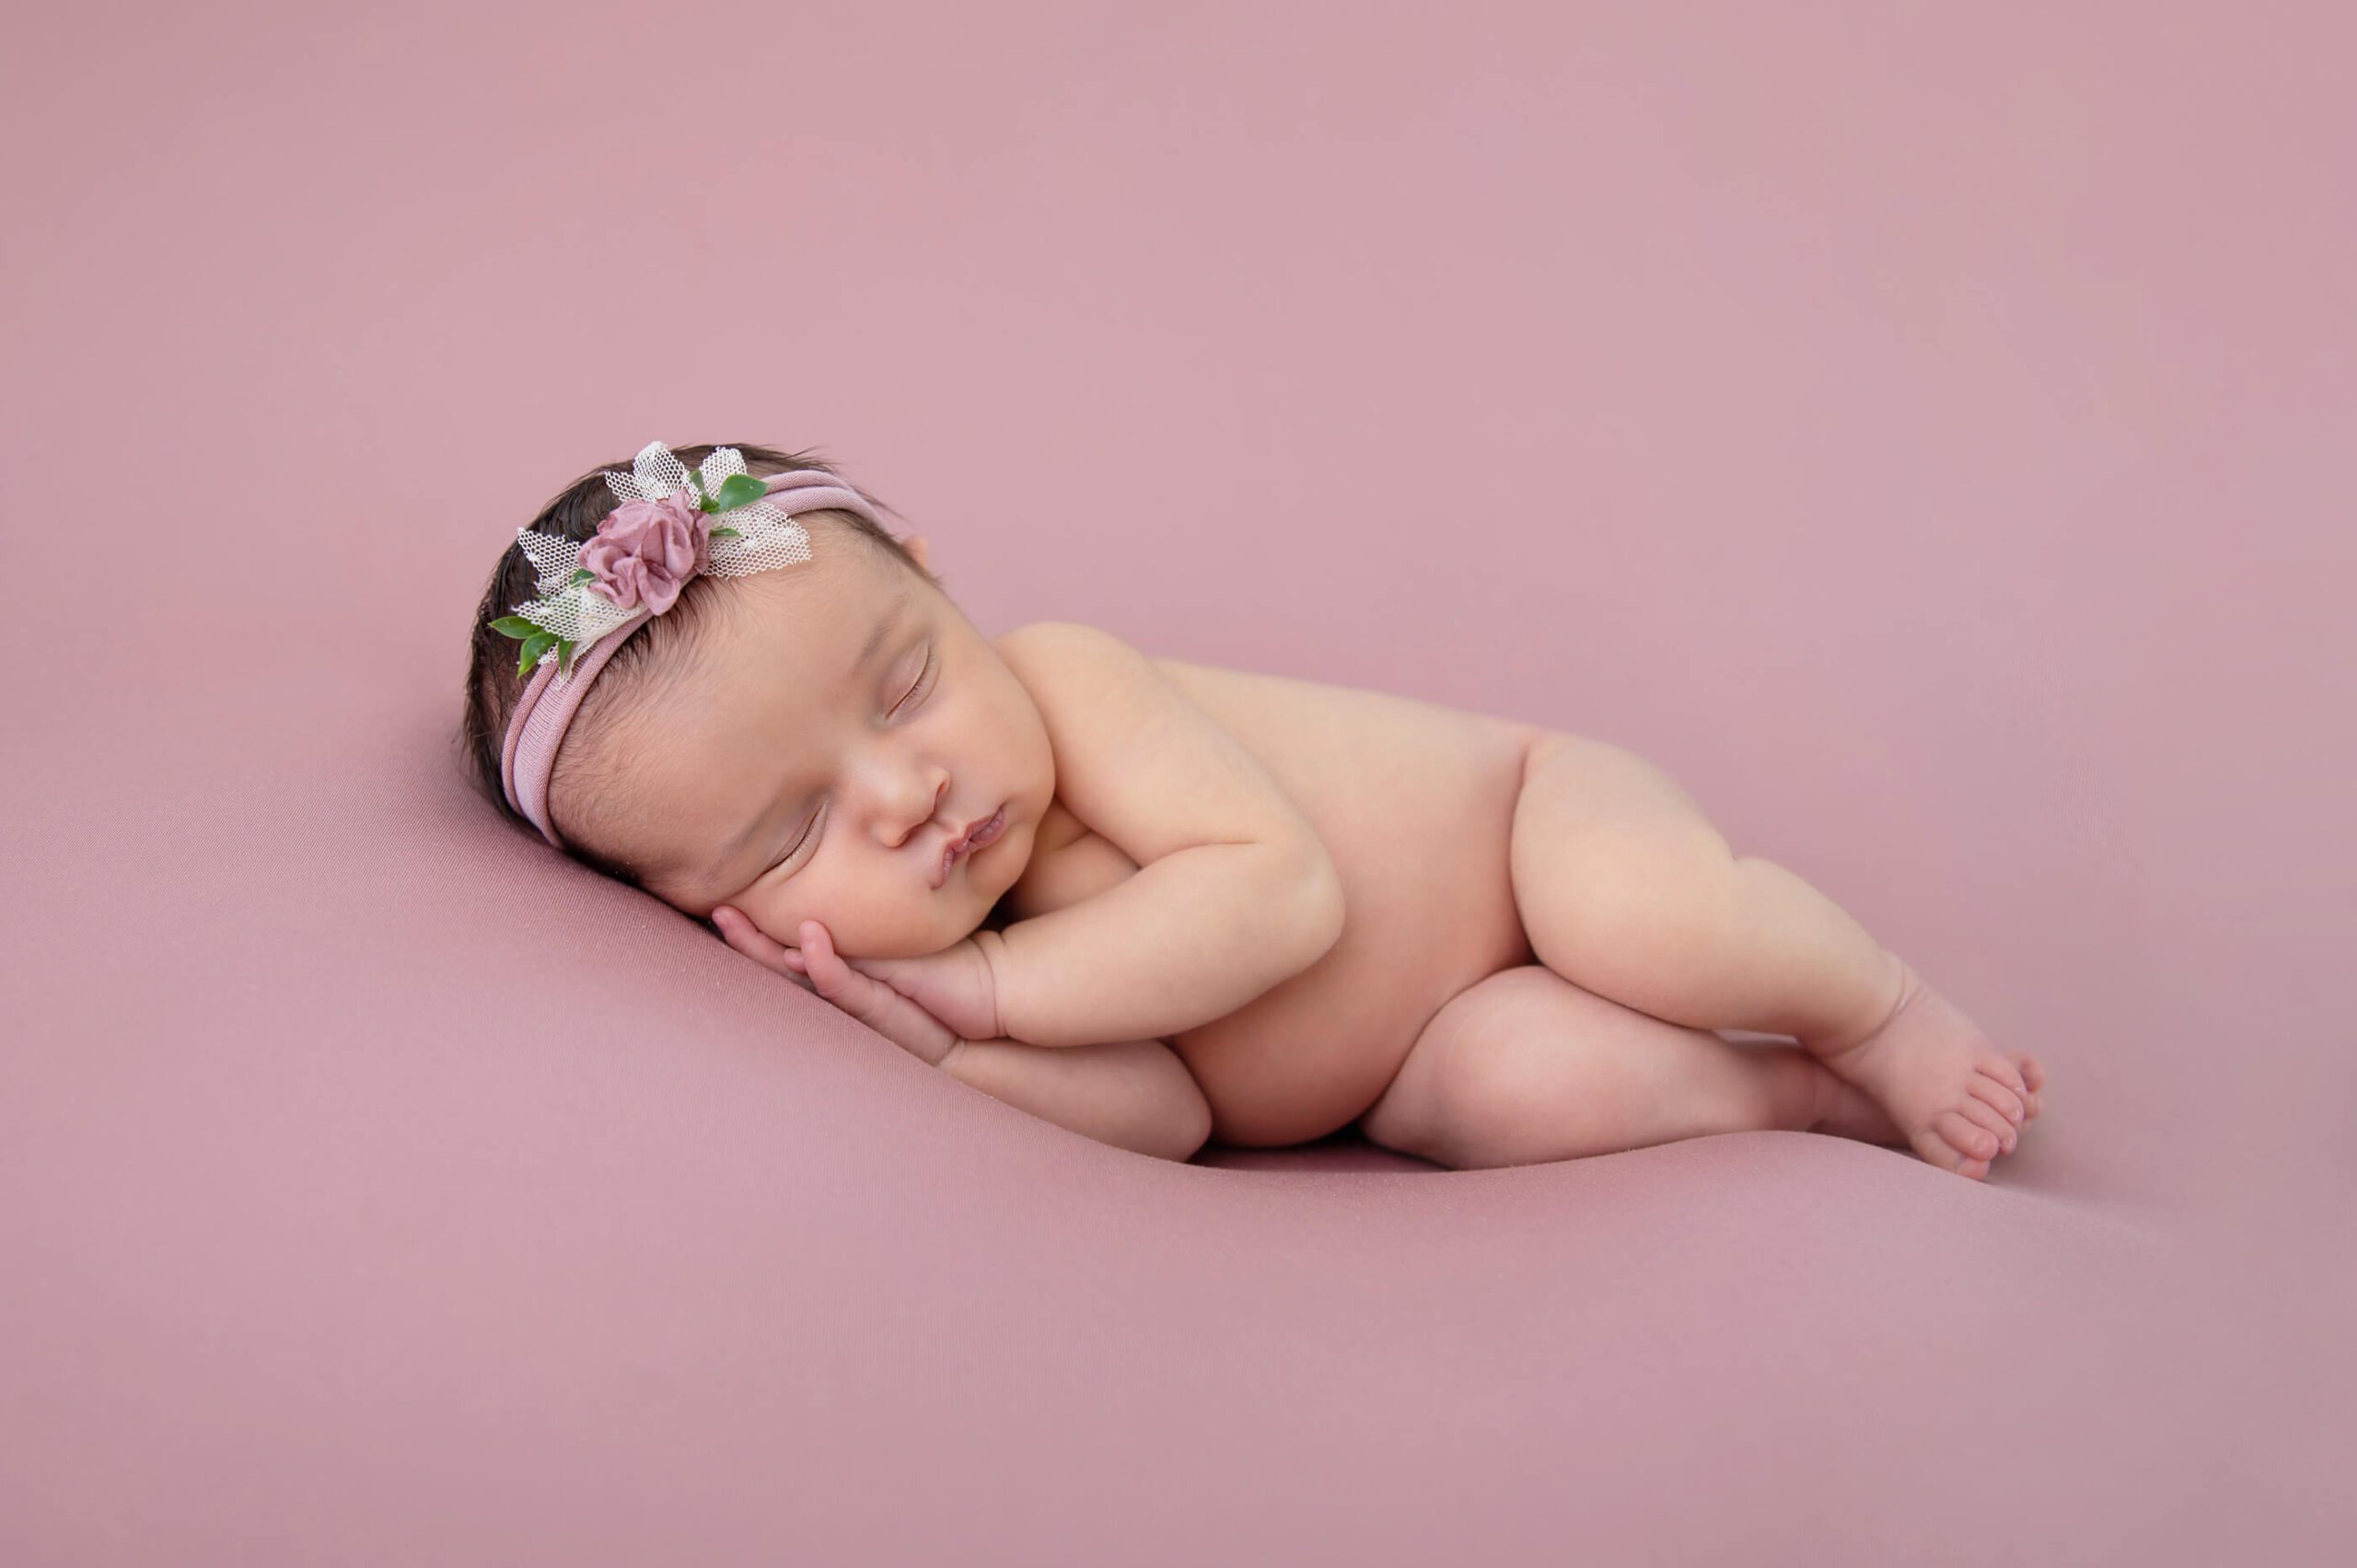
x=1415, y=803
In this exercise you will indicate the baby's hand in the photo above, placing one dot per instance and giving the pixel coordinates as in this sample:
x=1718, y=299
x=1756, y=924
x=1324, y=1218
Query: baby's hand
x=815, y=966
x=957, y=985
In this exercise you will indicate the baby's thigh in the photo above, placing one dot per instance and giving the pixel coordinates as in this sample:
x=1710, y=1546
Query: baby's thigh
x=1579, y=793
x=1603, y=839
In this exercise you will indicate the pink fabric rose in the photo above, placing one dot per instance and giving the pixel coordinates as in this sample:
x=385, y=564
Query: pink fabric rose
x=645, y=550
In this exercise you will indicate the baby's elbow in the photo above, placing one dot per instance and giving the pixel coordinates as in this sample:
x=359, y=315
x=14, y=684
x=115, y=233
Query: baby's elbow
x=1323, y=910
x=1172, y=1132
x=1191, y=1127
x=1173, y=1118
x=1194, y=1130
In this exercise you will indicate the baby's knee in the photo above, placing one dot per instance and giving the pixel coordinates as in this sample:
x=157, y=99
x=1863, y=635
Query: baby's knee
x=1496, y=1072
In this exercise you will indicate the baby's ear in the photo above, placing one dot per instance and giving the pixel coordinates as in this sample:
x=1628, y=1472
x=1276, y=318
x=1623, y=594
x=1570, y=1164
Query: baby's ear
x=915, y=544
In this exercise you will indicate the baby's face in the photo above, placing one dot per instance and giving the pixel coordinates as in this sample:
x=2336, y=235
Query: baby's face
x=803, y=781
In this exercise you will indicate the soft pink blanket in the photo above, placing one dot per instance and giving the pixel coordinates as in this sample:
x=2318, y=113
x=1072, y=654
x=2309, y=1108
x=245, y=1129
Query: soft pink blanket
x=1924, y=431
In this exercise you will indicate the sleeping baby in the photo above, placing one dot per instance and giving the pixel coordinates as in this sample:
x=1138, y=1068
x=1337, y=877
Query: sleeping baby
x=1159, y=902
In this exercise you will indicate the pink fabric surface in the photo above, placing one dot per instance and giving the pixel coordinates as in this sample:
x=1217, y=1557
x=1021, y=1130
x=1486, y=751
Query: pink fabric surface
x=1924, y=435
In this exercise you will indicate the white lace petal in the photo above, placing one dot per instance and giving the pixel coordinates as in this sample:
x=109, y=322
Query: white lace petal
x=767, y=538
x=598, y=615
x=657, y=471
x=715, y=469
x=577, y=615
x=553, y=559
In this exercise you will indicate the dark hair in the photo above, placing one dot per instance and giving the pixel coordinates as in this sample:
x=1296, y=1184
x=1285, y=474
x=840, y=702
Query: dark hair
x=640, y=670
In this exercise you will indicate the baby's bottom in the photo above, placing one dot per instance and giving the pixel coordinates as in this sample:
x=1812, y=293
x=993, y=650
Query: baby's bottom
x=1527, y=1067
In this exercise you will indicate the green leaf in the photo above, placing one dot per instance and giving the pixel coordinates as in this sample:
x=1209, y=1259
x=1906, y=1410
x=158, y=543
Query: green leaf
x=739, y=488
x=580, y=575
x=724, y=533
x=534, y=647
x=515, y=626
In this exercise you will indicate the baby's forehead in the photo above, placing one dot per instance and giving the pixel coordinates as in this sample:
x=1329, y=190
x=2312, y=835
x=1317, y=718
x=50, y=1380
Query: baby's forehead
x=830, y=610
x=776, y=655
x=774, y=660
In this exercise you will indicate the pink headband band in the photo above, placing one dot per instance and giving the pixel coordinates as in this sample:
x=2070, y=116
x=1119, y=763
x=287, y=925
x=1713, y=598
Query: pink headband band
x=536, y=729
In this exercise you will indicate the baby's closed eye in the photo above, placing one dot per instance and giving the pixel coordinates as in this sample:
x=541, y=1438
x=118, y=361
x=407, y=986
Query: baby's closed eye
x=920, y=691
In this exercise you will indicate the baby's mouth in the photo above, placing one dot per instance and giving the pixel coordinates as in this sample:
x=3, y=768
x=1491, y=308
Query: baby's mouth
x=985, y=832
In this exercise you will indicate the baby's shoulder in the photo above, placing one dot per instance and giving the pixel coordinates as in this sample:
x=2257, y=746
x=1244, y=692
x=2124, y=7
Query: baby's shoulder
x=1043, y=635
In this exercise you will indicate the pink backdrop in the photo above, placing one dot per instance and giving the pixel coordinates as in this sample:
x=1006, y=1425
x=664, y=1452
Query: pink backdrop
x=1926, y=435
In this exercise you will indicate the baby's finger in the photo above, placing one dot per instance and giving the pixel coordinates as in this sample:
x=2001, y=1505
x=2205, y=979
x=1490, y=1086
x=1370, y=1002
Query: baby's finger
x=836, y=980
x=819, y=956
x=745, y=937
x=754, y=943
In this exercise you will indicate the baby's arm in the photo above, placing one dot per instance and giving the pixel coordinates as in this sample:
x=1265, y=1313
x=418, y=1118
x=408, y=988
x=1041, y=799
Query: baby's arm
x=1190, y=938
x=1235, y=893
x=1136, y=1095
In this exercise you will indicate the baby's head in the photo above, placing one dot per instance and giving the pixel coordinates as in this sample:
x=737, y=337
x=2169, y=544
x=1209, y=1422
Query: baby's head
x=800, y=742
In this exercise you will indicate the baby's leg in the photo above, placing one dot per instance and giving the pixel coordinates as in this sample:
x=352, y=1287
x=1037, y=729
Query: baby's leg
x=1626, y=888
x=1526, y=1067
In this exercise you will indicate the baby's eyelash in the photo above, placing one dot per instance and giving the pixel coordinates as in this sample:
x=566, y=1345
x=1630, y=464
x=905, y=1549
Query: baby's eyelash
x=918, y=681
x=922, y=675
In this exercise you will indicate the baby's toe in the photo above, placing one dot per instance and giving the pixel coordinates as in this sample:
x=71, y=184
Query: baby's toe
x=1936, y=1150
x=2033, y=1077
x=1990, y=1119
x=1988, y=1091
x=1974, y=1143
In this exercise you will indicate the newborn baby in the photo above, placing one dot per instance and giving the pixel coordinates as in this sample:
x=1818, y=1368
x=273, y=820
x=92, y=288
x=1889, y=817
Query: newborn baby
x=1155, y=901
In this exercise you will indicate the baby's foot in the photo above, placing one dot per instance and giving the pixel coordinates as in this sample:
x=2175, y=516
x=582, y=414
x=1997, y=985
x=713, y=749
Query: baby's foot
x=1841, y=1110
x=1959, y=1101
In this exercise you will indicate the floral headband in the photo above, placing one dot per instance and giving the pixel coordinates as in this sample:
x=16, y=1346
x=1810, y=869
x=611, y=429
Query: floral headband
x=595, y=592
